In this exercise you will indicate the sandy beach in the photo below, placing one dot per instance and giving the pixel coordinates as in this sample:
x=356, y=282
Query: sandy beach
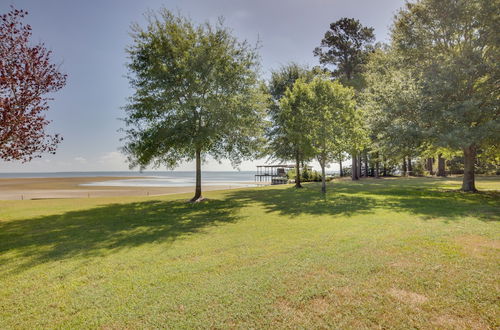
x=42, y=188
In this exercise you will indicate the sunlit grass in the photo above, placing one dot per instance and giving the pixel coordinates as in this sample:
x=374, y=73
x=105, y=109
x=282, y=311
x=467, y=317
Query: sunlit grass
x=400, y=253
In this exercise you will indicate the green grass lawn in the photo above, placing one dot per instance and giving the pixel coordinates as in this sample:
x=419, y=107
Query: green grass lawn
x=389, y=253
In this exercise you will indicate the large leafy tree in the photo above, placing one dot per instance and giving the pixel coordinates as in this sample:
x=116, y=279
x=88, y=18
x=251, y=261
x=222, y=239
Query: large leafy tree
x=453, y=48
x=27, y=77
x=196, y=94
x=332, y=118
x=285, y=143
x=343, y=50
x=391, y=99
x=295, y=124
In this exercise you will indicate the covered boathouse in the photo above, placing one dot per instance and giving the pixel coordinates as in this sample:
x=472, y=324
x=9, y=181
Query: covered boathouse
x=276, y=174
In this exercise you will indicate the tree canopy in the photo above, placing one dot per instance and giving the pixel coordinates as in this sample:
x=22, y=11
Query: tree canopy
x=286, y=136
x=391, y=99
x=344, y=50
x=27, y=77
x=196, y=94
x=330, y=117
x=432, y=91
x=345, y=47
x=452, y=48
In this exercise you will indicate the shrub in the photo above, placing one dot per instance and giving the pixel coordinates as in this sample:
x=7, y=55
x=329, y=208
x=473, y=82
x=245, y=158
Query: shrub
x=306, y=175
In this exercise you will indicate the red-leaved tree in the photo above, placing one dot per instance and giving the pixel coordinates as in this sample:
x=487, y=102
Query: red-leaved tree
x=26, y=77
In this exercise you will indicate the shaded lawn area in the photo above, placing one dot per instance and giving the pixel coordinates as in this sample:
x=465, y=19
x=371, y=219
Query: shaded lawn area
x=393, y=253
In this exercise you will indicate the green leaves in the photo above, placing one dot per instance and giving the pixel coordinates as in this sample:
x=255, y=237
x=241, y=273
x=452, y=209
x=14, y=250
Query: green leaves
x=449, y=45
x=196, y=87
x=345, y=46
x=281, y=145
x=391, y=99
x=435, y=85
x=321, y=115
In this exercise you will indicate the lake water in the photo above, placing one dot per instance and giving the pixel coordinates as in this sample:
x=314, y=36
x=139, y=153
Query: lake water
x=151, y=179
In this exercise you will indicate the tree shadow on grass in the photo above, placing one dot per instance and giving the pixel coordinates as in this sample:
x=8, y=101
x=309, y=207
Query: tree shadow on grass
x=422, y=198
x=426, y=199
x=107, y=228
x=308, y=200
x=98, y=231
x=449, y=205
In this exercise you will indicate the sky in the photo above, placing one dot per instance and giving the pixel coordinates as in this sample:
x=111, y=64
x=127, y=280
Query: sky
x=88, y=39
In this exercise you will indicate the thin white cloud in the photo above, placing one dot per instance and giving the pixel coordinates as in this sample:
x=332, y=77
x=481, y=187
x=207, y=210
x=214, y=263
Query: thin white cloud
x=112, y=161
x=111, y=156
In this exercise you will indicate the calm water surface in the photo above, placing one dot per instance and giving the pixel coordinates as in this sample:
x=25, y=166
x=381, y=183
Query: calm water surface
x=151, y=179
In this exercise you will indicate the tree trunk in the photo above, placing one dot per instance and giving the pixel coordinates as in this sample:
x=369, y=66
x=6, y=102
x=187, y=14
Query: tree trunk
x=404, y=172
x=377, y=167
x=468, y=183
x=341, y=172
x=197, y=193
x=358, y=168
x=410, y=168
x=323, y=178
x=354, y=167
x=385, y=167
x=430, y=165
x=366, y=165
x=441, y=166
x=297, y=171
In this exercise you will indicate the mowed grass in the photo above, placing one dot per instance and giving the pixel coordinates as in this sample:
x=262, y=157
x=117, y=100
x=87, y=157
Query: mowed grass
x=388, y=253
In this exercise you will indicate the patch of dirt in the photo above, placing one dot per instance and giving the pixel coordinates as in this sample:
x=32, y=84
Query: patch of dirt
x=288, y=311
x=403, y=264
x=456, y=322
x=301, y=314
x=477, y=245
x=319, y=305
x=343, y=295
x=408, y=297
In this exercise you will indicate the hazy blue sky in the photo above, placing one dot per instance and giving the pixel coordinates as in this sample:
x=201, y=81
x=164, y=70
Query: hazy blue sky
x=88, y=38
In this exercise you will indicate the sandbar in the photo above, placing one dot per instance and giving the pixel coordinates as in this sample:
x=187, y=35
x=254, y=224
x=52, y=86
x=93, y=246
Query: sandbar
x=45, y=188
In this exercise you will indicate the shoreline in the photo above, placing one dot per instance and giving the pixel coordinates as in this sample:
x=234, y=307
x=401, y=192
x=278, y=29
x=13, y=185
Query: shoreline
x=71, y=187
